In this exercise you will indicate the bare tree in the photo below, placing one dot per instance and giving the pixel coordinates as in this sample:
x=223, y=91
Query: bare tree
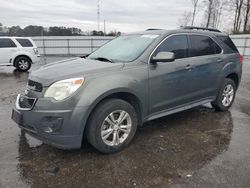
x=218, y=6
x=237, y=16
x=213, y=12
x=185, y=19
x=246, y=14
x=195, y=4
x=209, y=12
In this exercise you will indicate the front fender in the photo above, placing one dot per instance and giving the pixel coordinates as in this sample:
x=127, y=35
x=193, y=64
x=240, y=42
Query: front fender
x=100, y=87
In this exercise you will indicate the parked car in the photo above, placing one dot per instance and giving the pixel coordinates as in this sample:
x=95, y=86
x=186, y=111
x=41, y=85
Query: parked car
x=132, y=79
x=19, y=52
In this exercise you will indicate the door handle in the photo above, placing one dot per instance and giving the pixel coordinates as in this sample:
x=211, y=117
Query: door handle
x=219, y=60
x=188, y=67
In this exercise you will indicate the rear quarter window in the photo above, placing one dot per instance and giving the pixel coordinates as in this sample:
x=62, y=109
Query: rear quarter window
x=231, y=48
x=25, y=42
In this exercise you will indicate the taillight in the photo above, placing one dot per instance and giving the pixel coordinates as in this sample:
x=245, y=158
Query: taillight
x=35, y=51
x=241, y=59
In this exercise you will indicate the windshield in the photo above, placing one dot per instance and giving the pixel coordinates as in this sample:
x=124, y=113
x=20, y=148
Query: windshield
x=124, y=48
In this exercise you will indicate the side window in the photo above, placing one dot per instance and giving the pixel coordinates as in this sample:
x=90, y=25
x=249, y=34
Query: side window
x=218, y=49
x=229, y=43
x=7, y=43
x=177, y=44
x=203, y=45
x=24, y=42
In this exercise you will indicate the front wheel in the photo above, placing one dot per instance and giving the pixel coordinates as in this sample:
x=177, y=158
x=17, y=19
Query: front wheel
x=112, y=126
x=226, y=96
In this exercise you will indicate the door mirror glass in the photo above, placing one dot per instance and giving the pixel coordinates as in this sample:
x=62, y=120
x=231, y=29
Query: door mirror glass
x=163, y=57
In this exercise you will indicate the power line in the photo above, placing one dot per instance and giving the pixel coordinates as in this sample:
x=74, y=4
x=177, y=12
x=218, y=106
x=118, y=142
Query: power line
x=98, y=14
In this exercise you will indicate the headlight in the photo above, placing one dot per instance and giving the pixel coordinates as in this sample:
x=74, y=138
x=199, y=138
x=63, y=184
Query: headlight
x=62, y=89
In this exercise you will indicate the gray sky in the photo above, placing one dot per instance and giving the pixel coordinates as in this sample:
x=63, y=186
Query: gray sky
x=122, y=15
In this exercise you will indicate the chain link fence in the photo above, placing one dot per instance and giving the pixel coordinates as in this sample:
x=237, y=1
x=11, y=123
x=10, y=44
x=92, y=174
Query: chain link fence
x=69, y=46
x=82, y=45
x=243, y=44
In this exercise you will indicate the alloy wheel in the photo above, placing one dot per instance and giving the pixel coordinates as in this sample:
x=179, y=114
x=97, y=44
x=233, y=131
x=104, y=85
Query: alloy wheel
x=228, y=95
x=116, y=128
x=23, y=65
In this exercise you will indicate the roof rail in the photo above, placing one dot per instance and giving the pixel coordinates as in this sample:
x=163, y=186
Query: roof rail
x=152, y=29
x=201, y=28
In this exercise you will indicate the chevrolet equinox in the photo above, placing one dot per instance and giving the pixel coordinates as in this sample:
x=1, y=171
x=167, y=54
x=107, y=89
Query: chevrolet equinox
x=132, y=79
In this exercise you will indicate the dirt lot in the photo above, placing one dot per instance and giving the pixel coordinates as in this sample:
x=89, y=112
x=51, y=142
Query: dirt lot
x=195, y=148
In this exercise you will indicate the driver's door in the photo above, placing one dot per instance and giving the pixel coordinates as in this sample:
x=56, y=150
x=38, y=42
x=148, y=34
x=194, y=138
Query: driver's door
x=169, y=84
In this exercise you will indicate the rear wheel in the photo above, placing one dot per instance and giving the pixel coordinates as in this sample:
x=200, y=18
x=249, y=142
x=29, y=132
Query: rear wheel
x=226, y=96
x=112, y=126
x=23, y=63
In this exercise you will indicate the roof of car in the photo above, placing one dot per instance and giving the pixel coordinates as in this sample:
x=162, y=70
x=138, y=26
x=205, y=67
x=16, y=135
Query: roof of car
x=167, y=32
x=15, y=37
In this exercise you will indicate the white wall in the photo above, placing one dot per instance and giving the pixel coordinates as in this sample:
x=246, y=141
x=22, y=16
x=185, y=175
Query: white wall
x=72, y=45
x=243, y=43
x=82, y=45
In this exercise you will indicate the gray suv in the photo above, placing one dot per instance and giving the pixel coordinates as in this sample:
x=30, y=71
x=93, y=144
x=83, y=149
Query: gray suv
x=134, y=78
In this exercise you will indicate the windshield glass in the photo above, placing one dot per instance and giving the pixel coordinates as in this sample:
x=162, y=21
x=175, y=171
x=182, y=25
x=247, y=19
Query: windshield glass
x=124, y=48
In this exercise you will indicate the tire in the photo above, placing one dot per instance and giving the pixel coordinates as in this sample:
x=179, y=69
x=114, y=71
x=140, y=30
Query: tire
x=101, y=121
x=225, y=100
x=22, y=64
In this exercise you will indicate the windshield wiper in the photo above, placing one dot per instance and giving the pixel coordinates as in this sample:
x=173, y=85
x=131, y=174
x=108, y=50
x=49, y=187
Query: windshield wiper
x=103, y=59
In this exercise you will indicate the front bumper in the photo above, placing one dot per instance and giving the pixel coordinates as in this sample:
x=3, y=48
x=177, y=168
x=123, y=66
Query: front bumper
x=60, y=128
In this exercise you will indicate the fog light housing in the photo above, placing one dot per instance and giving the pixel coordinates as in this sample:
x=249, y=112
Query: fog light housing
x=51, y=124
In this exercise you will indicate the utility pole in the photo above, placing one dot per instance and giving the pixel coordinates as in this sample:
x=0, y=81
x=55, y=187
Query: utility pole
x=104, y=29
x=98, y=14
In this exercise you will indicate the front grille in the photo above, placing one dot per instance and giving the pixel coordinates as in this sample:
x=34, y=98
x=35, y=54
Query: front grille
x=32, y=85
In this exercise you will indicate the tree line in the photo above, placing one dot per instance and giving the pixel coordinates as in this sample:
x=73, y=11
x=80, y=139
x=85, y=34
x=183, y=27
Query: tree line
x=235, y=13
x=33, y=30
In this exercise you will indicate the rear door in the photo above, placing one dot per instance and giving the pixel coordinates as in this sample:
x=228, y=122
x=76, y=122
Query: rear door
x=207, y=59
x=7, y=48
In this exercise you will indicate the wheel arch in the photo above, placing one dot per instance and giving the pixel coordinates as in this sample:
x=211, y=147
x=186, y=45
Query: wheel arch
x=234, y=76
x=22, y=55
x=127, y=96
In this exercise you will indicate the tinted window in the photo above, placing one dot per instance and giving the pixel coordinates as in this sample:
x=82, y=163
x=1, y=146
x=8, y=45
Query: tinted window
x=177, y=44
x=229, y=43
x=203, y=45
x=217, y=48
x=25, y=42
x=7, y=43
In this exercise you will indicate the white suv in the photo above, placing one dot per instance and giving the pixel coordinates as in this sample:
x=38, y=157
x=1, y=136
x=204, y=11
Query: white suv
x=19, y=52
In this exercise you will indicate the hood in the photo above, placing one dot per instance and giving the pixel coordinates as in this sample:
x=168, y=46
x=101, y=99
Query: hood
x=71, y=68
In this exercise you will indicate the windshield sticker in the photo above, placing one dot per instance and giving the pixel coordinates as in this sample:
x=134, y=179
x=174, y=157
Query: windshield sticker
x=150, y=36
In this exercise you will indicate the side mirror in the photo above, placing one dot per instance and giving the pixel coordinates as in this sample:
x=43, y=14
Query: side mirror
x=163, y=57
